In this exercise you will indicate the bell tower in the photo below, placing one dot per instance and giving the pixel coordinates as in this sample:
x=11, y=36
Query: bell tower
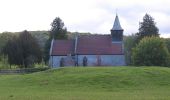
x=117, y=31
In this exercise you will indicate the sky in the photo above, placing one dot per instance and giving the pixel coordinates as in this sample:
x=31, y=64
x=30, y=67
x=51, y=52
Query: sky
x=94, y=16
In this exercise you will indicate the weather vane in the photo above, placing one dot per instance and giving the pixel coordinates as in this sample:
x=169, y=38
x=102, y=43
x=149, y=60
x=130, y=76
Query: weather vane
x=116, y=11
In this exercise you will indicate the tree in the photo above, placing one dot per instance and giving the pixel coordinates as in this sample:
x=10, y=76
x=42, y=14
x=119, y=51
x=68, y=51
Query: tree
x=167, y=41
x=47, y=50
x=23, y=50
x=151, y=51
x=58, y=31
x=4, y=37
x=147, y=27
x=30, y=48
x=41, y=37
x=12, y=51
x=129, y=43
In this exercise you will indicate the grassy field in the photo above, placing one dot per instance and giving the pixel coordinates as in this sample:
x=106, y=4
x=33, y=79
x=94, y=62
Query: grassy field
x=89, y=83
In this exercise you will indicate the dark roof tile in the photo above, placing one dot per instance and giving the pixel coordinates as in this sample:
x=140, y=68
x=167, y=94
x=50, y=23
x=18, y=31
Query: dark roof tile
x=87, y=45
x=63, y=47
x=98, y=44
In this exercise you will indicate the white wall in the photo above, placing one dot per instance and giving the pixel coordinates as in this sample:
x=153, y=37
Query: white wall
x=55, y=61
x=106, y=60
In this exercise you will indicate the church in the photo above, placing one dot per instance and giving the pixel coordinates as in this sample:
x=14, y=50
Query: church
x=90, y=50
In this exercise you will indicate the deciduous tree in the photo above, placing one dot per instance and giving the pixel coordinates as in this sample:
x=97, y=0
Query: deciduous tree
x=151, y=51
x=129, y=43
x=23, y=50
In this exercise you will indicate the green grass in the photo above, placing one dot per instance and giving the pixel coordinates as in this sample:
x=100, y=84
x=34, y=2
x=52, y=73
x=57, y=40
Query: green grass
x=89, y=83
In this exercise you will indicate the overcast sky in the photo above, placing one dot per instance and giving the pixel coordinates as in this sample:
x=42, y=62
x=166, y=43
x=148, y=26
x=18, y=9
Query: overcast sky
x=95, y=16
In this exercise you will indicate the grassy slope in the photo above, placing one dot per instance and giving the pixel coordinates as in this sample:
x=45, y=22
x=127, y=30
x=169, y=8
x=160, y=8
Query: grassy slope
x=102, y=83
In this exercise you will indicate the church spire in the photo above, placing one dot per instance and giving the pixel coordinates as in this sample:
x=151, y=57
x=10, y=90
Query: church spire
x=117, y=25
x=117, y=31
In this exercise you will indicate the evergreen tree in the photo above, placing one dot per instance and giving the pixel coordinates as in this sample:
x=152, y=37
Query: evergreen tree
x=58, y=31
x=147, y=27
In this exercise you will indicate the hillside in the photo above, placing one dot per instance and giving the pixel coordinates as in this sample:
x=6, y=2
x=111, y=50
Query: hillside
x=89, y=83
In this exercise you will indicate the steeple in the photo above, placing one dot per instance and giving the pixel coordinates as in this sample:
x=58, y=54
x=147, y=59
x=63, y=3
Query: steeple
x=117, y=31
x=117, y=25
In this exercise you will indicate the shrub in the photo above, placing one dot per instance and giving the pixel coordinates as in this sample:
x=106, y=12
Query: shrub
x=151, y=51
x=129, y=43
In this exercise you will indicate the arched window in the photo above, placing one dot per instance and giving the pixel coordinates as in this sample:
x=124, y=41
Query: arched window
x=84, y=61
x=99, y=60
x=62, y=62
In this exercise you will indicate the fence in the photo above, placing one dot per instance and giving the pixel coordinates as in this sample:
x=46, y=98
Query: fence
x=21, y=71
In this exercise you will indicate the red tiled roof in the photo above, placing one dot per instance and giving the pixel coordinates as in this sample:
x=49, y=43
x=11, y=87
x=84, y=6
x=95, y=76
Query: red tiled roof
x=98, y=44
x=87, y=45
x=63, y=47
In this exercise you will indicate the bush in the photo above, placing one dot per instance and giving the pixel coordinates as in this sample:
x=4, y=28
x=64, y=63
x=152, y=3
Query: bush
x=129, y=43
x=151, y=51
x=167, y=41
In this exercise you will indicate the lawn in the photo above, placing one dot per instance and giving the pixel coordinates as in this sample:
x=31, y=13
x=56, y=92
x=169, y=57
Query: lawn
x=89, y=83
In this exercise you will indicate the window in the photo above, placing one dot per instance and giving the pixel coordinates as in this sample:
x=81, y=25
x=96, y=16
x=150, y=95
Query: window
x=84, y=61
x=62, y=62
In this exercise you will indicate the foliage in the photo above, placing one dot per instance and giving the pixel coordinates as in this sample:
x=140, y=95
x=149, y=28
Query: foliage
x=4, y=63
x=4, y=37
x=89, y=83
x=151, y=51
x=72, y=35
x=12, y=51
x=47, y=51
x=167, y=41
x=23, y=50
x=147, y=27
x=58, y=31
x=41, y=37
x=129, y=43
